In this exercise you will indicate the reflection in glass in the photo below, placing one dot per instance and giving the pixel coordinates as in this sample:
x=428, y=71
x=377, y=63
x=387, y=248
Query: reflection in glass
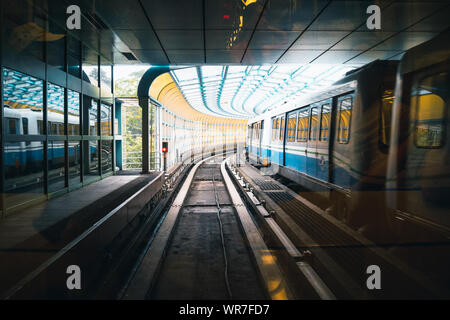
x=429, y=98
x=23, y=28
x=314, y=123
x=106, y=156
x=105, y=78
x=105, y=118
x=73, y=56
x=23, y=115
x=23, y=97
x=91, y=164
x=55, y=110
x=90, y=66
x=73, y=104
x=74, y=162
x=56, y=170
x=23, y=171
x=345, y=114
x=93, y=118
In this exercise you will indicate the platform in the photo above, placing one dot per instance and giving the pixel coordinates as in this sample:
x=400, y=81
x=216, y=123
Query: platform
x=32, y=236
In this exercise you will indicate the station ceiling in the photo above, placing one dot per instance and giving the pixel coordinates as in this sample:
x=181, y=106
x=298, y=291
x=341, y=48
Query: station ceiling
x=256, y=32
x=251, y=55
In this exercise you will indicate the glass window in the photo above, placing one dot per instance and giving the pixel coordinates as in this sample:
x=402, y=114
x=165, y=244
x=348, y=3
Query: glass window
x=106, y=156
x=91, y=169
x=55, y=109
x=74, y=162
x=23, y=99
x=24, y=175
x=12, y=126
x=25, y=125
x=105, y=77
x=73, y=56
x=93, y=118
x=314, y=123
x=56, y=170
x=387, y=100
x=41, y=126
x=90, y=66
x=345, y=115
x=303, y=124
x=292, y=126
x=56, y=38
x=73, y=118
x=431, y=109
x=274, y=129
x=282, y=129
x=23, y=27
x=325, y=122
x=105, y=120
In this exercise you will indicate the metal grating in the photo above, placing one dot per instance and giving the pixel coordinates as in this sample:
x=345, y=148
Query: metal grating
x=267, y=184
x=346, y=251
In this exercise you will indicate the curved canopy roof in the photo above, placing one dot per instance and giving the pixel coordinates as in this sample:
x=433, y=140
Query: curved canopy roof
x=246, y=91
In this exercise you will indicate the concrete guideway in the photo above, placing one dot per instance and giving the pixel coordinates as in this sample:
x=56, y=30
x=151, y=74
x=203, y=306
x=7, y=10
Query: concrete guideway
x=181, y=236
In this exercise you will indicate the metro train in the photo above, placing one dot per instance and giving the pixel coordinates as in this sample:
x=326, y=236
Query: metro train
x=24, y=157
x=378, y=162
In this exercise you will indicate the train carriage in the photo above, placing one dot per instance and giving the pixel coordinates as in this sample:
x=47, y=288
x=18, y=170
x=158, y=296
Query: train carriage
x=418, y=178
x=334, y=142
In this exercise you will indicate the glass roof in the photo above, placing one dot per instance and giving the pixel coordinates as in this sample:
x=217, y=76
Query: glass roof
x=246, y=91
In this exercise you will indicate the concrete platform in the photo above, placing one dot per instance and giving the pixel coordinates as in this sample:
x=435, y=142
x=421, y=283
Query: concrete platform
x=30, y=237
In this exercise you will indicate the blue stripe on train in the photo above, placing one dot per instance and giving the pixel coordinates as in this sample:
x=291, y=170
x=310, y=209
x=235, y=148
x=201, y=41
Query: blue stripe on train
x=22, y=157
x=310, y=166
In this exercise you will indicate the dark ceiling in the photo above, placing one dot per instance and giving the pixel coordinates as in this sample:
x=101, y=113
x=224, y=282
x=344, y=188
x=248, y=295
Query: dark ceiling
x=257, y=32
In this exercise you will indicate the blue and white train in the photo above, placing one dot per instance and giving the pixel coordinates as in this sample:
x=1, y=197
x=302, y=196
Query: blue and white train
x=333, y=142
x=384, y=166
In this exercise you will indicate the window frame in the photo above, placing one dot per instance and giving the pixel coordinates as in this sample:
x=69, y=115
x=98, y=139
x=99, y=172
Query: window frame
x=330, y=105
x=315, y=106
x=293, y=113
x=303, y=139
x=415, y=86
x=339, y=104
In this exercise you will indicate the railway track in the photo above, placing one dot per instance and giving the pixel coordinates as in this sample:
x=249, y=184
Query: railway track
x=208, y=246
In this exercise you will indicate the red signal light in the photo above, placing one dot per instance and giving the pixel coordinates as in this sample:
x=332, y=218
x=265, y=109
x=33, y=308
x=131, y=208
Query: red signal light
x=164, y=147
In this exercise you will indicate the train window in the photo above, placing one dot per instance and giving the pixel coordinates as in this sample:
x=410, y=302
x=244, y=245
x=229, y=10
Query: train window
x=282, y=129
x=40, y=126
x=12, y=125
x=54, y=128
x=345, y=115
x=291, y=126
x=275, y=125
x=314, y=124
x=387, y=100
x=325, y=122
x=303, y=124
x=25, y=125
x=429, y=98
x=61, y=128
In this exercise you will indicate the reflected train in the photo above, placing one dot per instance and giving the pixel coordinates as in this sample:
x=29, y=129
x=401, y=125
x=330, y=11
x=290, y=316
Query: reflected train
x=23, y=157
x=373, y=144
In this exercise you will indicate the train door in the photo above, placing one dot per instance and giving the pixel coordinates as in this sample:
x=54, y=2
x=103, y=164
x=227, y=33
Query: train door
x=427, y=166
x=323, y=155
x=312, y=154
x=302, y=138
x=259, y=142
x=281, y=142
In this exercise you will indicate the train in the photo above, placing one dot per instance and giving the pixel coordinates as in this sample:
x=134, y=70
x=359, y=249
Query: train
x=25, y=157
x=373, y=144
